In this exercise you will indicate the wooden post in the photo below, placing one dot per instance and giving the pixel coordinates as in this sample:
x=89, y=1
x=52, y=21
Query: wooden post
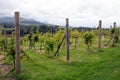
x=99, y=35
x=67, y=39
x=110, y=27
x=114, y=25
x=113, y=35
x=110, y=30
x=17, y=35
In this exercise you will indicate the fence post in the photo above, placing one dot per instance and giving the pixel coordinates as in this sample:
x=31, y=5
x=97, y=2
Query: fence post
x=17, y=41
x=67, y=39
x=113, y=35
x=99, y=35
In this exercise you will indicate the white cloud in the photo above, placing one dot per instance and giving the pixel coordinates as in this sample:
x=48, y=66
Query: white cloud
x=80, y=12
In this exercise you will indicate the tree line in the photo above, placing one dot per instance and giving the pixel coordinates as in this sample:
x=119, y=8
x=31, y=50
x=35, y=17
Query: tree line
x=25, y=29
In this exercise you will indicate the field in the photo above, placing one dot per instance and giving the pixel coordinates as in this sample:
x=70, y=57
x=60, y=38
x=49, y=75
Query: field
x=83, y=64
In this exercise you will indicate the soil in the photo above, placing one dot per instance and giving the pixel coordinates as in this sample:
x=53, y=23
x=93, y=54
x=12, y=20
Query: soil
x=5, y=69
x=1, y=57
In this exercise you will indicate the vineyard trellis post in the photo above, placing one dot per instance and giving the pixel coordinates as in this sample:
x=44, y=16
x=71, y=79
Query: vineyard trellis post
x=99, y=35
x=17, y=41
x=113, y=35
x=67, y=39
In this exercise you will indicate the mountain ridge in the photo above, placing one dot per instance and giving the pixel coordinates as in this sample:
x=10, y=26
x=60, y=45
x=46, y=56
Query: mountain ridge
x=23, y=21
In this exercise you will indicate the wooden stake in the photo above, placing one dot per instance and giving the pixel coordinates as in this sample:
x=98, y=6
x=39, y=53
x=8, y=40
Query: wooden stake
x=113, y=35
x=67, y=39
x=17, y=35
x=99, y=36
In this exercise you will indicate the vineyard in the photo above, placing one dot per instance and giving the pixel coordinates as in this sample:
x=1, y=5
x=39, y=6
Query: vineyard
x=93, y=54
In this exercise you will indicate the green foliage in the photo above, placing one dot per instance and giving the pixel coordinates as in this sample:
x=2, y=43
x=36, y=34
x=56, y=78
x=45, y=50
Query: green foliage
x=36, y=38
x=88, y=38
x=31, y=29
x=11, y=44
x=30, y=36
x=0, y=33
x=37, y=31
x=113, y=30
x=24, y=39
x=31, y=41
x=116, y=38
x=83, y=66
x=75, y=34
x=49, y=46
x=42, y=38
x=58, y=36
x=2, y=44
x=48, y=35
x=11, y=50
x=117, y=33
x=105, y=32
x=11, y=53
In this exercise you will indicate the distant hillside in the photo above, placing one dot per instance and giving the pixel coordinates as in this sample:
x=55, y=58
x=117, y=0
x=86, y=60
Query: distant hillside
x=23, y=21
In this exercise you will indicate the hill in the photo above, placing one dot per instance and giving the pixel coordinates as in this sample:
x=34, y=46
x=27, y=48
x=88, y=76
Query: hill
x=23, y=21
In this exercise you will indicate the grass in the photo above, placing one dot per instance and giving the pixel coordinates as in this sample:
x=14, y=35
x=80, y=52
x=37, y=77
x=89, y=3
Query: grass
x=84, y=65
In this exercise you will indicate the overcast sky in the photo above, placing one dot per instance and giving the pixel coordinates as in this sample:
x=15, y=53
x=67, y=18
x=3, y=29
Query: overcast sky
x=79, y=12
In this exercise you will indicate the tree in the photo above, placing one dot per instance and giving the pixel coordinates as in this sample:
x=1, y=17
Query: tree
x=88, y=38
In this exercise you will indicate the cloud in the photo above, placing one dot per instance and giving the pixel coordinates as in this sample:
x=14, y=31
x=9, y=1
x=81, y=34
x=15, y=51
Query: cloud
x=80, y=12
